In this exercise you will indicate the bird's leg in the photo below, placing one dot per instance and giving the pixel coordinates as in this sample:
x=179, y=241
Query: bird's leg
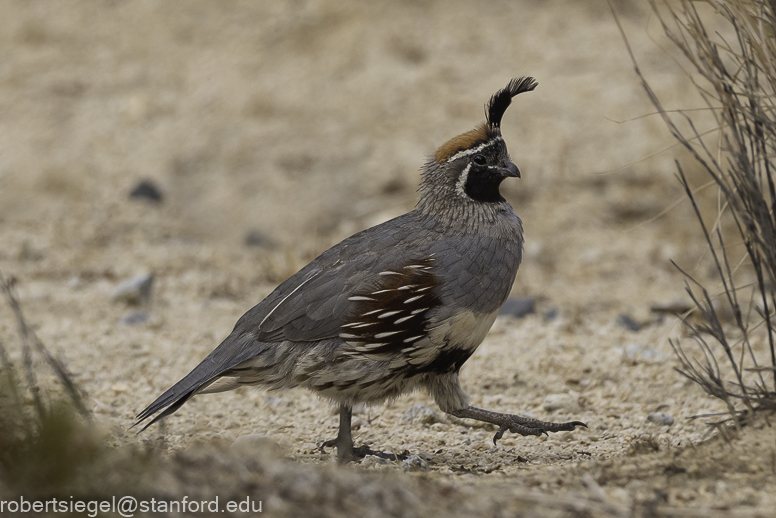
x=344, y=440
x=514, y=423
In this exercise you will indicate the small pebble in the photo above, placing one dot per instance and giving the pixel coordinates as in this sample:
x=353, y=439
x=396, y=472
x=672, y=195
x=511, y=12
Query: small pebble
x=373, y=461
x=135, y=291
x=642, y=352
x=119, y=387
x=554, y=402
x=518, y=308
x=673, y=308
x=414, y=463
x=257, y=238
x=628, y=323
x=660, y=418
x=422, y=414
x=135, y=318
x=147, y=190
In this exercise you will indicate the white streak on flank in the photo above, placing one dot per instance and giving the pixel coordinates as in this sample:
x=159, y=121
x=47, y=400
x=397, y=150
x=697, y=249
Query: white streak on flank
x=461, y=184
x=412, y=339
x=413, y=299
x=467, y=152
x=371, y=312
x=386, y=335
x=421, y=310
x=380, y=291
x=407, y=287
x=403, y=319
x=346, y=336
x=370, y=346
x=388, y=314
x=389, y=272
x=286, y=297
x=423, y=289
x=364, y=325
x=356, y=298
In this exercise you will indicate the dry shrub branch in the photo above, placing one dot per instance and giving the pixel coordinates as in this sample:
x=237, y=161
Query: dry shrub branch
x=733, y=69
x=30, y=342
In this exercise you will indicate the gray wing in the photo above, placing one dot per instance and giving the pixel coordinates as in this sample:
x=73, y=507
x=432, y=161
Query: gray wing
x=311, y=305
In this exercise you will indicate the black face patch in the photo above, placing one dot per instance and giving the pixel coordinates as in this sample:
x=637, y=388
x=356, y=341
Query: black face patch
x=482, y=184
x=484, y=178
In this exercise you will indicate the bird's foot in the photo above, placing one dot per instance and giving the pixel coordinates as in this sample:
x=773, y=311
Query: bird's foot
x=527, y=426
x=515, y=423
x=352, y=454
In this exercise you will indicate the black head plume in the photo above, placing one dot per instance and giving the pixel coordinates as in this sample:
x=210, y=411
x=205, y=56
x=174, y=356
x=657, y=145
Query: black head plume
x=494, y=110
x=501, y=100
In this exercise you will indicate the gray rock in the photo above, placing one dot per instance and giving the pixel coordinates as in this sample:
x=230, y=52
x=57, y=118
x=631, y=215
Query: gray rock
x=373, y=461
x=135, y=318
x=422, y=414
x=148, y=191
x=427, y=456
x=518, y=308
x=628, y=323
x=660, y=418
x=135, y=291
x=257, y=238
x=414, y=463
x=566, y=402
x=677, y=307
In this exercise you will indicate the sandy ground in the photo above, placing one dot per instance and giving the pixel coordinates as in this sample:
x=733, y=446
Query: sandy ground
x=305, y=121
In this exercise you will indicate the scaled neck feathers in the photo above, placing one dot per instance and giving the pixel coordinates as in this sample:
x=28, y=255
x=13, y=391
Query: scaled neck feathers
x=442, y=202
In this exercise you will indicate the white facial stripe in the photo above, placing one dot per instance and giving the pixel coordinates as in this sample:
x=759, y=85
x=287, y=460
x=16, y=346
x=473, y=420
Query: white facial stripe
x=459, y=187
x=477, y=149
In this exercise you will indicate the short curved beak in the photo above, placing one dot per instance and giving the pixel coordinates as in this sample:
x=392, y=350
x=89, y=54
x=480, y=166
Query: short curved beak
x=511, y=170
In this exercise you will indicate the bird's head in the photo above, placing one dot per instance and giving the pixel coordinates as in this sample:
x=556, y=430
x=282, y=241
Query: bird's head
x=470, y=167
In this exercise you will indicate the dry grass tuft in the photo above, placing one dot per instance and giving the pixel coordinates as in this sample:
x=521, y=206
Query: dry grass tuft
x=734, y=71
x=48, y=443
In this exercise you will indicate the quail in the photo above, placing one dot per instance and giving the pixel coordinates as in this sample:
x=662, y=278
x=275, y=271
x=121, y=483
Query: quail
x=397, y=307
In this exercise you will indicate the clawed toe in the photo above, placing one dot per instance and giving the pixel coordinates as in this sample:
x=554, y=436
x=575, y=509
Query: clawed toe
x=535, y=427
x=363, y=451
x=331, y=443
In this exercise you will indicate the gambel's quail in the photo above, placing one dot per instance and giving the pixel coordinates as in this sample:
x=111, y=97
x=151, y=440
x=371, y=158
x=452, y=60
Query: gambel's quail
x=397, y=307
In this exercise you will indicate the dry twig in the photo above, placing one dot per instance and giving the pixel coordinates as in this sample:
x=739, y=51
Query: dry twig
x=736, y=77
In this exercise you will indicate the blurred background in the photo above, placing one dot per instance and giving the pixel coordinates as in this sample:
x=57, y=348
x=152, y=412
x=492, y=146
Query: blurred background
x=254, y=135
x=164, y=165
x=290, y=125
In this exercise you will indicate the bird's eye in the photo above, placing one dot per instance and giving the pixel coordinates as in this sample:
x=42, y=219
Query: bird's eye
x=479, y=160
